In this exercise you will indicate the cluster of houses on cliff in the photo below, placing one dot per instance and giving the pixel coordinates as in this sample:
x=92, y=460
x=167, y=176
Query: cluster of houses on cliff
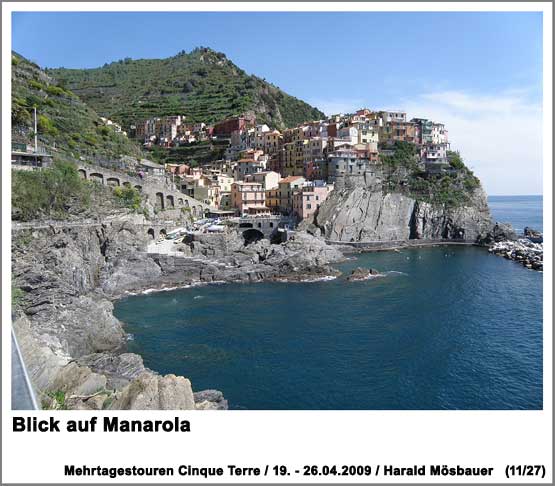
x=290, y=172
x=293, y=171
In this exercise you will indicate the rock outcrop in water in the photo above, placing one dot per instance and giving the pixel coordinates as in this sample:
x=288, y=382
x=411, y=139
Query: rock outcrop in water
x=73, y=346
x=364, y=214
x=522, y=251
x=362, y=274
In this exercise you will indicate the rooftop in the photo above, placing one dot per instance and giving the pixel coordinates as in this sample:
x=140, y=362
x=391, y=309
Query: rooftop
x=290, y=179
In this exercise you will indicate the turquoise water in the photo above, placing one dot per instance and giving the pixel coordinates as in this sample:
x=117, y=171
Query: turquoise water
x=520, y=211
x=446, y=328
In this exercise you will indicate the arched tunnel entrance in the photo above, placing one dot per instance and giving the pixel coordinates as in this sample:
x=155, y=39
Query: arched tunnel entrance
x=278, y=237
x=159, y=200
x=252, y=236
x=150, y=232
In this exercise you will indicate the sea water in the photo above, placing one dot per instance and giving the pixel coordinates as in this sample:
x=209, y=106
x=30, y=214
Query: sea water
x=445, y=328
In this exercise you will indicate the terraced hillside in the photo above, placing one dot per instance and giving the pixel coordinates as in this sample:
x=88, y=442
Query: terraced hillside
x=203, y=85
x=66, y=125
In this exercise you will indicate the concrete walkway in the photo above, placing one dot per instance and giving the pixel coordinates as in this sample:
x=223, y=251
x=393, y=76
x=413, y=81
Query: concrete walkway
x=164, y=247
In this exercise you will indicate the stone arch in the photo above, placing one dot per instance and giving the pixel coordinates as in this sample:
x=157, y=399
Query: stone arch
x=160, y=200
x=139, y=188
x=163, y=232
x=82, y=173
x=96, y=177
x=112, y=181
x=180, y=201
x=252, y=236
x=170, y=202
x=127, y=184
x=150, y=232
x=186, y=203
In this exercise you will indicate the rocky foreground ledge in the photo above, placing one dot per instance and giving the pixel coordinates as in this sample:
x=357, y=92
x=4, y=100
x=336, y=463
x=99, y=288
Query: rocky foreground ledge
x=66, y=278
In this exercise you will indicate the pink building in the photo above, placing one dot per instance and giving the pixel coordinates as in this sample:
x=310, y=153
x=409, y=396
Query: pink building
x=308, y=198
x=249, y=197
x=178, y=169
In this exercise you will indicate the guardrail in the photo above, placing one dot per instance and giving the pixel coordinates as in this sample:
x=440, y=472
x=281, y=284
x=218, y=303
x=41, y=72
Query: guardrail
x=23, y=394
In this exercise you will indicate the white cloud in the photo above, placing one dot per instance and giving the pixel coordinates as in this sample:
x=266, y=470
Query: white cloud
x=499, y=136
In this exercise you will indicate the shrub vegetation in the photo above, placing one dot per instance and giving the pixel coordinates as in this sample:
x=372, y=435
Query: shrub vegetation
x=49, y=192
x=403, y=173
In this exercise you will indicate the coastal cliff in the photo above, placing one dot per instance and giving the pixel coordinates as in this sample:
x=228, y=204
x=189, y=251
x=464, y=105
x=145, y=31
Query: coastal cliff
x=67, y=276
x=363, y=214
x=402, y=199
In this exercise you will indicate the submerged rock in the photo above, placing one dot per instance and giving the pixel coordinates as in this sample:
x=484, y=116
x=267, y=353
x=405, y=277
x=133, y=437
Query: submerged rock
x=362, y=274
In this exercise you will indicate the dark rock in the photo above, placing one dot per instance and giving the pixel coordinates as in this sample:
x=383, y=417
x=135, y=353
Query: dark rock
x=533, y=235
x=500, y=232
x=362, y=274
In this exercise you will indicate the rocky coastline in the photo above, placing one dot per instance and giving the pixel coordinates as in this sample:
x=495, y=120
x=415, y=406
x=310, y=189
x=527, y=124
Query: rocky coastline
x=66, y=279
x=526, y=249
x=522, y=251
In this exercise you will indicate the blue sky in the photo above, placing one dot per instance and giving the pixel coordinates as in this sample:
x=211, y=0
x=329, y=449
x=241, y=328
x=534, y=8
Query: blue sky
x=479, y=72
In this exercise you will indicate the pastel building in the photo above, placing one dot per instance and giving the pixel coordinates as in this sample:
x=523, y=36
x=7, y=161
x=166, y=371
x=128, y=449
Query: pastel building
x=349, y=134
x=286, y=188
x=309, y=197
x=245, y=167
x=268, y=179
x=249, y=197
x=272, y=142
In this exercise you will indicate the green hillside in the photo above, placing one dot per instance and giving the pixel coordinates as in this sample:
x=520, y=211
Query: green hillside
x=66, y=126
x=203, y=85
